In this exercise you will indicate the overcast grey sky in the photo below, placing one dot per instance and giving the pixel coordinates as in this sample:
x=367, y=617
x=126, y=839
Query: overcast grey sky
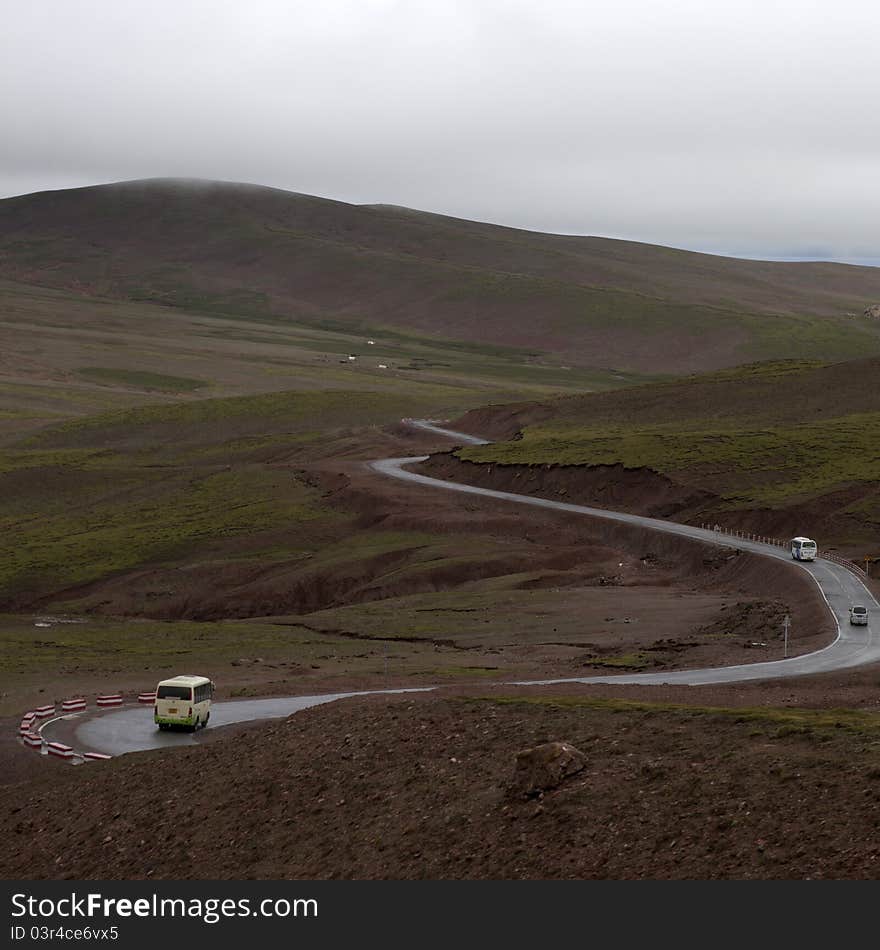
x=745, y=127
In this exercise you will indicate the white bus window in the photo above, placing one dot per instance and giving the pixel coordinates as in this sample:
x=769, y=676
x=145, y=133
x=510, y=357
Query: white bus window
x=173, y=692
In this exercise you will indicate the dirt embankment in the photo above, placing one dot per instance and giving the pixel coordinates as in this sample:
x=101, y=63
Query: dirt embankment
x=634, y=490
x=839, y=517
x=834, y=516
x=642, y=491
x=500, y=423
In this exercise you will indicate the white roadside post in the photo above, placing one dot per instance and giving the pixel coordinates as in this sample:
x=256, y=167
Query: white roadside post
x=785, y=625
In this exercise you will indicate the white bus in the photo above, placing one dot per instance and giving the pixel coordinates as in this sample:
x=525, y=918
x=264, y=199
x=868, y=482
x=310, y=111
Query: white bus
x=183, y=701
x=803, y=549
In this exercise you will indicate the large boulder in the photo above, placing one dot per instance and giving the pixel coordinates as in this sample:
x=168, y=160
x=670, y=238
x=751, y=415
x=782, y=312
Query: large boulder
x=873, y=311
x=543, y=768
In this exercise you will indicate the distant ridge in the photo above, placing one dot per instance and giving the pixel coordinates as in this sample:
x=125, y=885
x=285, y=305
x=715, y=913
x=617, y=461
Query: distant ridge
x=264, y=253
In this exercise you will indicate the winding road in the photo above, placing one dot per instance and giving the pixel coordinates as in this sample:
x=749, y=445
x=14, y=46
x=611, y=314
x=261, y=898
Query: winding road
x=132, y=729
x=854, y=646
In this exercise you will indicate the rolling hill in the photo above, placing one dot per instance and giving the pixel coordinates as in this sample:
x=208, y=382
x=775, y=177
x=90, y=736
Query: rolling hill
x=272, y=256
x=775, y=448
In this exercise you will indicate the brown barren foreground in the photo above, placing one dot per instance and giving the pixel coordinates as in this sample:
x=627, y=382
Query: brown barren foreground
x=419, y=788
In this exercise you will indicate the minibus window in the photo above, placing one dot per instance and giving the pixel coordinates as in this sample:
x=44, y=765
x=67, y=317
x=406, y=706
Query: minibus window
x=174, y=692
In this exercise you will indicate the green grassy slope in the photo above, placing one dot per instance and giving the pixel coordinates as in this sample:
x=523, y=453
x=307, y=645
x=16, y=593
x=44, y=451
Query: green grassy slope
x=170, y=485
x=202, y=509
x=63, y=355
x=786, y=437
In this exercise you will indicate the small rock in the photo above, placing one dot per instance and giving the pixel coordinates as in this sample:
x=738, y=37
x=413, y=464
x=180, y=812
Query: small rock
x=544, y=767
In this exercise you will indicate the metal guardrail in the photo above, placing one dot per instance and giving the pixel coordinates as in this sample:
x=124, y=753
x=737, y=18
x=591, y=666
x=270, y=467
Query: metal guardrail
x=776, y=542
x=849, y=565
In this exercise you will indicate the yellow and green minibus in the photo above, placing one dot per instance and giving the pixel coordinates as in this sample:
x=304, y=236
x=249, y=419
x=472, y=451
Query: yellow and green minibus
x=183, y=701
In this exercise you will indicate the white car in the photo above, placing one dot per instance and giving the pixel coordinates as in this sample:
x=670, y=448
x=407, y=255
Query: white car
x=858, y=614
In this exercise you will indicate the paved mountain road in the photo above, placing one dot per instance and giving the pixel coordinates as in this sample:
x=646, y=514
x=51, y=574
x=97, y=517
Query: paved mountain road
x=131, y=729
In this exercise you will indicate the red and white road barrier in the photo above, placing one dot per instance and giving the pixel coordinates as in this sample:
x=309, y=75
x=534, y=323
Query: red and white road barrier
x=110, y=699
x=31, y=722
x=60, y=749
x=147, y=697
